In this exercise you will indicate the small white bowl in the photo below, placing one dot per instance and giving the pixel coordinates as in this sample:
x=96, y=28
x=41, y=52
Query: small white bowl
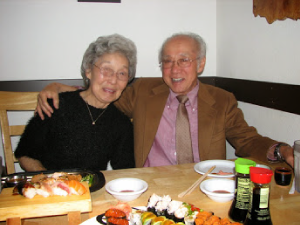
x=263, y=166
x=212, y=188
x=126, y=189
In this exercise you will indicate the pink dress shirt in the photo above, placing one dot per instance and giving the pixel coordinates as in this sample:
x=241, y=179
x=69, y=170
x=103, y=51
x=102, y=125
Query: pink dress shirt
x=163, y=150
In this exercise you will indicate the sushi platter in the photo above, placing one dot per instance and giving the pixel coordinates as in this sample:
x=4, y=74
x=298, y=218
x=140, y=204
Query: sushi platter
x=160, y=210
x=46, y=195
x=98, y=177
x=39, y=206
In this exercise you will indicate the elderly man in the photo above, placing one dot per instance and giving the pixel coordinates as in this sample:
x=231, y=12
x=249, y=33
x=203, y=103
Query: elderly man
x=213, y=115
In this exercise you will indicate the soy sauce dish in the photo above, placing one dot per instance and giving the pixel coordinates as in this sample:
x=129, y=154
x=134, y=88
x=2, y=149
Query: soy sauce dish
x=126, y=189
x=218, y=189
x=13, y=180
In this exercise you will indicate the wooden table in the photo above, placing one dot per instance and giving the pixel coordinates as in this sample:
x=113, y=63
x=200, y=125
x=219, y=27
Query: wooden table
x=172, y=180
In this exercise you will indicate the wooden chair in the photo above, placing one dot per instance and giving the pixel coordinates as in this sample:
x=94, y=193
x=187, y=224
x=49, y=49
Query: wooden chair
x=19, y=101
x=13, y=101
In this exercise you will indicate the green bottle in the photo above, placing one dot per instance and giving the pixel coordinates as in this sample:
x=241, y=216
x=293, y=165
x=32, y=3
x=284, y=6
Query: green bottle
x=240, y=204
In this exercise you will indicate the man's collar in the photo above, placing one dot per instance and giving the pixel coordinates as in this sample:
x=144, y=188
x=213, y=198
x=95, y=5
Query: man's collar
x=192, y=95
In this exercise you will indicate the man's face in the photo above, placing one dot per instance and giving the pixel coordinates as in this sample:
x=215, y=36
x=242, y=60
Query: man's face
x=181, y=80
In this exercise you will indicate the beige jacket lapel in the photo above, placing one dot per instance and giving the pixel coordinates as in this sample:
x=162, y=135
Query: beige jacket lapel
x=206, y=120
x=155, y=105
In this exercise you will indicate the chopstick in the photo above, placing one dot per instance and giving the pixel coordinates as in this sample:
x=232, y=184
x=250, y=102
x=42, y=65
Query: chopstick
x=194, y=185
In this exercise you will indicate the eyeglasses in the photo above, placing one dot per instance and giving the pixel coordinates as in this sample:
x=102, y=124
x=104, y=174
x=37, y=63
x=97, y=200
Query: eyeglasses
x=108, y=72
x=183, y=62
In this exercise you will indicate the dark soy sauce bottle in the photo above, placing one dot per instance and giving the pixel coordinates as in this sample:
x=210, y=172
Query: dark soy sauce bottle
x=240, y=204
x=259, y=211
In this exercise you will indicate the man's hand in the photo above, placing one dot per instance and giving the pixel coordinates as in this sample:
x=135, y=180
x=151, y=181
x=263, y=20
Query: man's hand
x=286, y=151
x=30, y=165
x=50, y=91
x=288, y=154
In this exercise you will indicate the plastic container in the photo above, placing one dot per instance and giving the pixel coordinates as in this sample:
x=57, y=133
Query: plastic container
x=240, y=204
x=297, y=165
x=259, y=211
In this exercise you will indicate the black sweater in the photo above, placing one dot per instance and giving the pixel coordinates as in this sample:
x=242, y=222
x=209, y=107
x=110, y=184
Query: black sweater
x=68, y=139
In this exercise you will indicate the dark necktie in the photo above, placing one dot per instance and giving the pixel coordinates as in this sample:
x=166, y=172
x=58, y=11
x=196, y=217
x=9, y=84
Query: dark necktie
x=184, y=150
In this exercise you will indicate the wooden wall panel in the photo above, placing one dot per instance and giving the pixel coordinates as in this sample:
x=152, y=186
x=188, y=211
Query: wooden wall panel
x=277, y=9
x=271, y=95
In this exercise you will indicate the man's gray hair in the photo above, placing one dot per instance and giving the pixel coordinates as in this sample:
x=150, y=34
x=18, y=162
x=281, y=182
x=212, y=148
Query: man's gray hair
x=197, y=38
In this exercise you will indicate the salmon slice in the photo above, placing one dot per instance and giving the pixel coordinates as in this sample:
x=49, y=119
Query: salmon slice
x=76, y=187
x=117, y=221
x=117, y=213
x=123, y=207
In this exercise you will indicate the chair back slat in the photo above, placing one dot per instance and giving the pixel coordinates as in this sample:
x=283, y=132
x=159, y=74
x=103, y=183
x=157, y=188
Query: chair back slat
x=16, y=130
x=13, y=101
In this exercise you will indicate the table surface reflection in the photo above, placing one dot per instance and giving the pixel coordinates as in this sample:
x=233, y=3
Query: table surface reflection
x=172, y=180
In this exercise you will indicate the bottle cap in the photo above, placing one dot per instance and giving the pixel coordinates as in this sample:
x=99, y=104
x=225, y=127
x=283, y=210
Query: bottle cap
x=260, y=175
x=242, y=165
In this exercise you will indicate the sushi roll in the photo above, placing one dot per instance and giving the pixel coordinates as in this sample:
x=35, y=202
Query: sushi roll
x=152, y=202
x=147, y=217
x=158, y=220
x=191, y=215
x=162, y=205
x=117, y=221
x=117, y=213
x=180, y=213
x=124, y=207
x=136, y=217
x=172, y=207
x=167, y=222
x=116, y=217
x=189, y=220
x=202, y=216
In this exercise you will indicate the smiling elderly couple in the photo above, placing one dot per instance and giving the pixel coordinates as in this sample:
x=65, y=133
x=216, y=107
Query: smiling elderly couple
x=214, y=116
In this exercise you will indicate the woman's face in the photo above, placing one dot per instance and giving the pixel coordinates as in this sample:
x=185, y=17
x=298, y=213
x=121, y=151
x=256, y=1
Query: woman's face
x=105, y=89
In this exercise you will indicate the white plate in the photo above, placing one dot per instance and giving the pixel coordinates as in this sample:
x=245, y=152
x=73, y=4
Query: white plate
x=224, y=165
x=93, y=220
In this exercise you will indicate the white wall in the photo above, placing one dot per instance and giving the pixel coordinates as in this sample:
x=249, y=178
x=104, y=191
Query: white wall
x=46, y=39
x=250, y=48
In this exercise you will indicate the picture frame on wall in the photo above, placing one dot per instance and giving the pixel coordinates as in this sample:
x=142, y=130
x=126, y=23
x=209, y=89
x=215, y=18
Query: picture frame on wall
x=111, y=1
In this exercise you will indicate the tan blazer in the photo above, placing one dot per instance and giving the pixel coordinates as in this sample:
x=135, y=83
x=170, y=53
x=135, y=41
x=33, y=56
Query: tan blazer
x=218, y=119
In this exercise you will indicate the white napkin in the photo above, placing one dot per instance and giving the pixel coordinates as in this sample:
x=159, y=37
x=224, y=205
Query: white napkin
x=292, y=191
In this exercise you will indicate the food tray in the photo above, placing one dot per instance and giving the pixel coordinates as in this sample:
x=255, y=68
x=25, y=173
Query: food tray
x=98, y=183
x=19, y=206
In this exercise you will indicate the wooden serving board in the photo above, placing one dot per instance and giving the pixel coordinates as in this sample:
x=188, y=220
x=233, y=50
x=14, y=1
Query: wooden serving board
x=19, y=206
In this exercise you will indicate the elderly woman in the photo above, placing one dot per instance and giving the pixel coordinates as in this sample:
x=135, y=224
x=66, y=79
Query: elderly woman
x=87, y=131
